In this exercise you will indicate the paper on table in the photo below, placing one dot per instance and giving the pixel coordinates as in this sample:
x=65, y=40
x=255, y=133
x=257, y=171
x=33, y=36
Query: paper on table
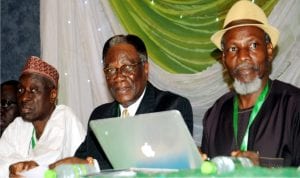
x=36, y=172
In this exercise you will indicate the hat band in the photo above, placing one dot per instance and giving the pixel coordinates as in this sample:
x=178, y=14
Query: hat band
x=242, y=21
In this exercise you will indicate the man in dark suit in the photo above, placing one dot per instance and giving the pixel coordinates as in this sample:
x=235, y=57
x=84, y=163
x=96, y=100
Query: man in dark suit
x=126, y=70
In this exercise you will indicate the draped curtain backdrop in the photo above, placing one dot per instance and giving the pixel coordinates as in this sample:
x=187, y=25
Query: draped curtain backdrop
x=181, y=57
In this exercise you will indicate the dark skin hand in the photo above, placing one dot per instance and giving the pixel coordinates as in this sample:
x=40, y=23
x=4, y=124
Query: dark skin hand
x=71, y=160
x=203, y=155
x=254, y=157
x=18, y=167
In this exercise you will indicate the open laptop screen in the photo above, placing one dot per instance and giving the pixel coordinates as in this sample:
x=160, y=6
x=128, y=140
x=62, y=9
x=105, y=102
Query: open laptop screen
x=153, y=140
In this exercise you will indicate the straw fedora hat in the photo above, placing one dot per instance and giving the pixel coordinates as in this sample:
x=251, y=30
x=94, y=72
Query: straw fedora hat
x=245, y=13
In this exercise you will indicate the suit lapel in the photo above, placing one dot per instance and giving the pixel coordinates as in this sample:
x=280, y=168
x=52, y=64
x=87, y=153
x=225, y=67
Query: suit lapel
x=115, y=111
x=147, y=104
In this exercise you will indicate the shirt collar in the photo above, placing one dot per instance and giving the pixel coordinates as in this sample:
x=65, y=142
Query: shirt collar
x=133, y=107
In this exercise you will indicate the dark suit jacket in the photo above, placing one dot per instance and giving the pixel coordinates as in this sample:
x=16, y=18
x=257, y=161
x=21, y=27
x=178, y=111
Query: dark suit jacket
x=154, y=100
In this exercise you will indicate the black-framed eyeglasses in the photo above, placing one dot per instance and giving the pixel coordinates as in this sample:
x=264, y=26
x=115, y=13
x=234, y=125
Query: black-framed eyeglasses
x=126, y=69
x=7, y=103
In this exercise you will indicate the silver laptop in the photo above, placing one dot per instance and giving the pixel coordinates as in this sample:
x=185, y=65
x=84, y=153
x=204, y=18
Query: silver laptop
x=154, y=140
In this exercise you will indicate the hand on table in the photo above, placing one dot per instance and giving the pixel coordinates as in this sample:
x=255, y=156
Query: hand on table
x=253, y=156
x=71, y=160
x=203, y=155
x=18, y=167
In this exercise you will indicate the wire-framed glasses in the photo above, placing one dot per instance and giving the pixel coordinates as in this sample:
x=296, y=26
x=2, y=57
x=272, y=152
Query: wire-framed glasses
x=126, y=70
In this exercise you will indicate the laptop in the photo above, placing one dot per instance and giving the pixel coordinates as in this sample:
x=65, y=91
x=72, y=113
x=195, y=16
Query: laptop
x=158, y=140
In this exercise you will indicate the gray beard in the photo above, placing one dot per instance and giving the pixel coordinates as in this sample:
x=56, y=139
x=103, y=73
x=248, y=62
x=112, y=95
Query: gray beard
x=247, y=88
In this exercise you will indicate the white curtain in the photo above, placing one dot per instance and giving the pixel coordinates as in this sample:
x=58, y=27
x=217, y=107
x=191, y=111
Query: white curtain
x=73, y=33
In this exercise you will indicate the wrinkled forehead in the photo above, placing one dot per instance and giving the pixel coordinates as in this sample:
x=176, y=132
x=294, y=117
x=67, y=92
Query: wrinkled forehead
x=121, y=51
x=242, y=32
x=36, y=79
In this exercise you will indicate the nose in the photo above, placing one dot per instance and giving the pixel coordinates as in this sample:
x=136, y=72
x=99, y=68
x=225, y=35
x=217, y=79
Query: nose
x=26, y=96
x=244, y=54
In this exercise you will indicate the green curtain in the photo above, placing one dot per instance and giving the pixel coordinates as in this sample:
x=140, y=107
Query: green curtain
x=177, y=32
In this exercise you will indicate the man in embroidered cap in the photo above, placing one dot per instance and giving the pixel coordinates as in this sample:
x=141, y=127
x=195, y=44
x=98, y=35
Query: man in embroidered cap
x=45, y=132
x=260, y=117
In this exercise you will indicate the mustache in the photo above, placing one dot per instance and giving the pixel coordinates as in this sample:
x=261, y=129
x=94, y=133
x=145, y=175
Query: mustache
x=245, y=65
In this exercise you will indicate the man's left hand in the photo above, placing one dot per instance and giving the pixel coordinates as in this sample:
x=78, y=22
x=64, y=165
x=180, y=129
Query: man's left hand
x=18, y=167
x=253, y=156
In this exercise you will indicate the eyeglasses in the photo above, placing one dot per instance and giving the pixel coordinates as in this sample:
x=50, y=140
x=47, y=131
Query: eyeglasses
x=7, y=103
x=126, y=69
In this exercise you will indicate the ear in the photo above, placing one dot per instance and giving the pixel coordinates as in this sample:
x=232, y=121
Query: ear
x=146, y=69
x=53, y=95
x=223, y=60
x=270, y=52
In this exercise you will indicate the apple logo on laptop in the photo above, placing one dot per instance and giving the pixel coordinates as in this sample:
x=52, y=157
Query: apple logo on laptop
x=147, y=150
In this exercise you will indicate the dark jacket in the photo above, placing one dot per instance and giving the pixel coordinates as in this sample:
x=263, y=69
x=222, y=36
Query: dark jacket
x=154, y=100
x=274, y=134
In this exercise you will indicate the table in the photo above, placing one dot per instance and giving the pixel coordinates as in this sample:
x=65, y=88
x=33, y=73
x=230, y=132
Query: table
x=243, y=172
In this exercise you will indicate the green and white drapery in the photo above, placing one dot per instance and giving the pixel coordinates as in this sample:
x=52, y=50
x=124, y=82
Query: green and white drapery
x=73, y=33
x=177, y=33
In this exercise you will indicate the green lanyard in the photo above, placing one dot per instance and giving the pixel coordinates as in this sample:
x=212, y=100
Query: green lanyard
x=33, y=139
x=254, y=113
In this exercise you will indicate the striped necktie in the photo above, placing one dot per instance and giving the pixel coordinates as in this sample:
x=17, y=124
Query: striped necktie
x=125, y=113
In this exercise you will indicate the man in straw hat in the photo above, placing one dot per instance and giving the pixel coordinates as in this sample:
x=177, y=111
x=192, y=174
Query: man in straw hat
x=45, y=132
x=260, y=117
